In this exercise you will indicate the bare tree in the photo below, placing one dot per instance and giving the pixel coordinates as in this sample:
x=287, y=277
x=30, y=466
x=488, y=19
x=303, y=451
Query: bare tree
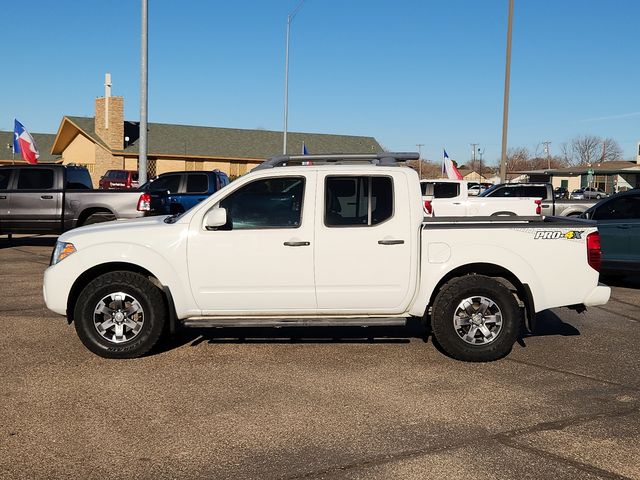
x=590, y=149
x=429, y=168
x=518, y=159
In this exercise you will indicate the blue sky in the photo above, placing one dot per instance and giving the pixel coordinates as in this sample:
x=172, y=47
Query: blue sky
x=405, y=72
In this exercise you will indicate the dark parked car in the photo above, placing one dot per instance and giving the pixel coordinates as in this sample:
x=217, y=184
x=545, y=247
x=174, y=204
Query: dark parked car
x=618, y=219
x=561, y=192
x=177, y=192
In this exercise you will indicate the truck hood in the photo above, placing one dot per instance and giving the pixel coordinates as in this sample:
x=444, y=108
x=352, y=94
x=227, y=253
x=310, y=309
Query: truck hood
x=134, y=230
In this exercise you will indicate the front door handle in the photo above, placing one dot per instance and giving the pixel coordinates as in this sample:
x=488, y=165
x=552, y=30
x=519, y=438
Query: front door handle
x=297, y=244
x=3, y=197
x=390, y=242
x=46, y=197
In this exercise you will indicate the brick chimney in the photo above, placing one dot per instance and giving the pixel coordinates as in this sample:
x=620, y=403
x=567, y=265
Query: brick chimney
x=109, y=120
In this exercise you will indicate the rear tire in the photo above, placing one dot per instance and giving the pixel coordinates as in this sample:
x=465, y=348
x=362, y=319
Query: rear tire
x=476, y=319
x=120, y=315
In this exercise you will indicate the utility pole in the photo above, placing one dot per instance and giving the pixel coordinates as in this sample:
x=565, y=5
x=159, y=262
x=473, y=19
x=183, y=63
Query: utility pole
x=547, y=153
x=473, y=153
x=286, y=78
x=505, y=111
x=420, y=145
x=144, y=85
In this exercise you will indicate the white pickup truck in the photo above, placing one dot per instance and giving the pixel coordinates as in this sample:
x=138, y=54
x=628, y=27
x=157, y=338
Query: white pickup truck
x=451, y=198
x=320, y=240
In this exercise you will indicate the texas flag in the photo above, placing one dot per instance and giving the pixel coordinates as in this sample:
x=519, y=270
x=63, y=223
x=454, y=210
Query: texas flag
x=24, y=144
x=449, y=168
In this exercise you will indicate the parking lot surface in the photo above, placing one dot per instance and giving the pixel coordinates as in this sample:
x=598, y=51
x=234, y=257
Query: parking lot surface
x=349, y=403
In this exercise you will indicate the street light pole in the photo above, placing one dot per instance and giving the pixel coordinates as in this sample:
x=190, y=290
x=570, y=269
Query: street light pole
x=505, y=112
x=286, y=77
x=144, y=84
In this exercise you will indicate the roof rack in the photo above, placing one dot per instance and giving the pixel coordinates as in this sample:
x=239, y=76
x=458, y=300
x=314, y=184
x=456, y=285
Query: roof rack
x=382, y=159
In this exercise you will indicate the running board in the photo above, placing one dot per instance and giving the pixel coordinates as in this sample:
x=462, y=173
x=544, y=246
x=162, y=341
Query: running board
x=208, y=322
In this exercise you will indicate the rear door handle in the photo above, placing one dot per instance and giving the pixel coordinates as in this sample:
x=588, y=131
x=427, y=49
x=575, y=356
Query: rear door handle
x=297, y=244
x=624, y=226
x=390, y=242
x=46, y=197
x=3, y=197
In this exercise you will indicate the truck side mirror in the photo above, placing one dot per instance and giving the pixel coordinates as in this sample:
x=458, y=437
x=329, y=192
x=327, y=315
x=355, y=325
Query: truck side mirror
x=216, y=217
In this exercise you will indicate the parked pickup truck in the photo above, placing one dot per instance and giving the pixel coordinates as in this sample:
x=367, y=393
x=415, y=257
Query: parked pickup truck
x=550, y=205
x=57, y=198
x=177, y=192
x=321, y=240
x=451, y=198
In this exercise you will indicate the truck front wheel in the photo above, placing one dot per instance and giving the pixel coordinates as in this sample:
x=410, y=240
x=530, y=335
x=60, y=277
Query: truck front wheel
x=476, y=319
x=120, y=315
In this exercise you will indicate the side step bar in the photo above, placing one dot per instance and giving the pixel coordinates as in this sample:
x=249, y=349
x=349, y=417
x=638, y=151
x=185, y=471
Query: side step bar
x=208, y=322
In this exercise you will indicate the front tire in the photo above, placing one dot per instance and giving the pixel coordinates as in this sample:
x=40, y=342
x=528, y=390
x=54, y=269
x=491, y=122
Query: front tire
x=120, y=315
x=476, y=319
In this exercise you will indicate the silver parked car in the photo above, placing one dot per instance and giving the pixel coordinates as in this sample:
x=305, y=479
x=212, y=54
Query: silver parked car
x=577, y=194
x=591, y=192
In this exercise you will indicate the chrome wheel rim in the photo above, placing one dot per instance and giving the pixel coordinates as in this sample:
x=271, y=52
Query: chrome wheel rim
x=477, y=320
x=118, y=317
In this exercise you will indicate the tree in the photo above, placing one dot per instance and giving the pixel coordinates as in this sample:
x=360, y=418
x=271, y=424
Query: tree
x=590, y=149
x=429, y=169
x=518, y=159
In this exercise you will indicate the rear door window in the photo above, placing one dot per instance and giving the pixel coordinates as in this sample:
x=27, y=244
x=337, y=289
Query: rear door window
x=36, y=179
x=197, y=183
x=358, y=201
x=446, y=190
x=5, y=176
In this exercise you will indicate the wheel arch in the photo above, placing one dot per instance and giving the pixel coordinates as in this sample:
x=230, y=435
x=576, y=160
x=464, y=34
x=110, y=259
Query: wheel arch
x=97, y=270
x=87, y=212
x=511, y=281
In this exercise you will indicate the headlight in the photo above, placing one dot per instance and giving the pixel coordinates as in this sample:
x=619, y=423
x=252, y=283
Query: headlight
x=62, y=251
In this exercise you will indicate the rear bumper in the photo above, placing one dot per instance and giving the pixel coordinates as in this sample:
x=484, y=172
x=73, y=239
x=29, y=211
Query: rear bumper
x=598, y=296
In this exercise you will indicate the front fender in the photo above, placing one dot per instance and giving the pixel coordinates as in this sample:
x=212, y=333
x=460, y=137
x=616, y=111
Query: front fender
x=60, y=278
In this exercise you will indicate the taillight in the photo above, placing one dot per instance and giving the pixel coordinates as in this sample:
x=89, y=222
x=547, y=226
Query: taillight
x=594, y=254
x=144, y=203
x=428, y=207
x=538, y=207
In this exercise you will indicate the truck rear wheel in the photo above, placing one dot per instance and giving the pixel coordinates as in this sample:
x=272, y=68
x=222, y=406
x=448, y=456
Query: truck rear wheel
x=120, y=315
x=476, y=319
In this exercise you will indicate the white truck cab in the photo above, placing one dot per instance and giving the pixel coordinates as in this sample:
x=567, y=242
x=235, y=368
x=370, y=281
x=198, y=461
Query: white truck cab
x=452, y=198
x=338, y=240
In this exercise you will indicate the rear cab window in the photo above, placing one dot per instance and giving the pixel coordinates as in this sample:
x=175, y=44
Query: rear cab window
x=440, y=189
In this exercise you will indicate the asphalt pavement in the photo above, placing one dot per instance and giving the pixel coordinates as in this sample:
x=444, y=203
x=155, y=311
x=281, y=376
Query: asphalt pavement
x=336, y=403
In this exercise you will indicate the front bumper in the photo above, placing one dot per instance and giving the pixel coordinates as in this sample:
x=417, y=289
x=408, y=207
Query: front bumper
x=55, y=289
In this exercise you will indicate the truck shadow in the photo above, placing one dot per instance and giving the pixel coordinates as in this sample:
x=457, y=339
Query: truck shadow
x=28, y=241
x=547, y=323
